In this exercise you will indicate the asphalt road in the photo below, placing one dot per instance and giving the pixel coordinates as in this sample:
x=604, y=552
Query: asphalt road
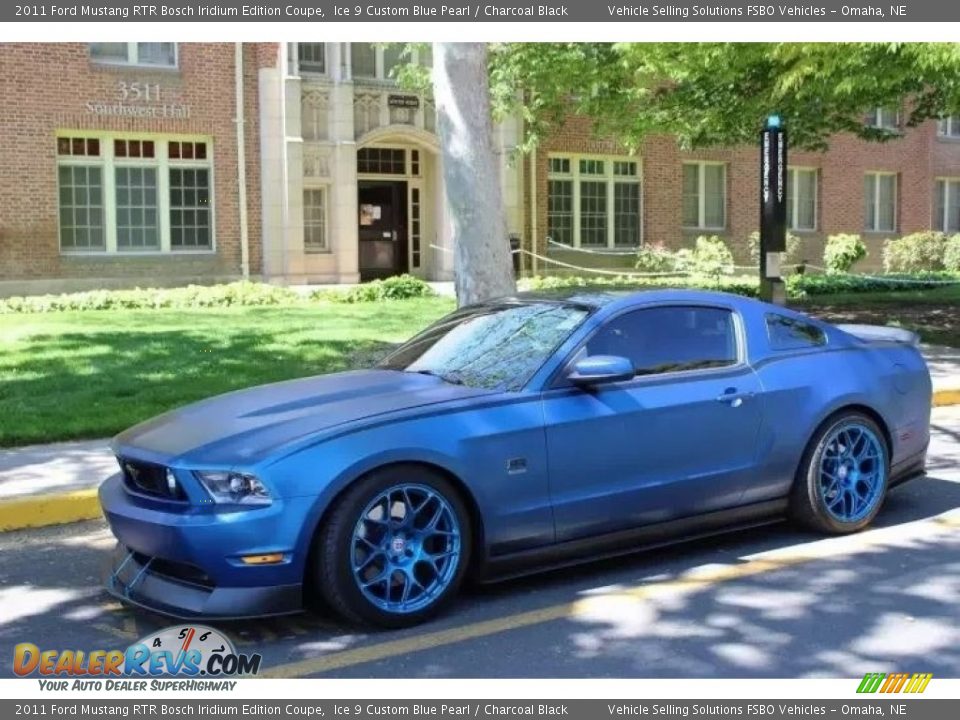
x=771, y=602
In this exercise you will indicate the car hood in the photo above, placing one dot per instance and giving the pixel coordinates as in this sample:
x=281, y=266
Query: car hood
x=243, y=426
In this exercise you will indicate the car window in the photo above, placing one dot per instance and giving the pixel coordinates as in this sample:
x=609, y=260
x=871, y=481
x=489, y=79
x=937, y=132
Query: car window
x=790, y=334
x=669, y=339
x=495, y=347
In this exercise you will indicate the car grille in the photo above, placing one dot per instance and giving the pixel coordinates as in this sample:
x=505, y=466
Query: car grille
x=177, y=571
x=148, y=479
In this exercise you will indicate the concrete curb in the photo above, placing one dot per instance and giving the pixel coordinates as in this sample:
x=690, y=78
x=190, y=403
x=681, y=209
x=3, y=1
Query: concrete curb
x=60, y=508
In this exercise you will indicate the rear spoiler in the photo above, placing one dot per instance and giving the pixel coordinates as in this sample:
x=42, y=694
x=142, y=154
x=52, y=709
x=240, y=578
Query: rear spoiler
x=873, y=333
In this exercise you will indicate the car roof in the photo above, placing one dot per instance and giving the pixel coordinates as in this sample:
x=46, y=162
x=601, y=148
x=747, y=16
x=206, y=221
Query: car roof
x=600, y=299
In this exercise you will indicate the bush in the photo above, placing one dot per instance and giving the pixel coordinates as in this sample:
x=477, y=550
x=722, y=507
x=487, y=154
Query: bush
x=799, y=286
x=951, y=256
x=400, y=287
x=710, y=256
x=192, y=296
x=919, y=252
x=793, y=255
x=656, y=258
x=842, y=251
x=737, y=284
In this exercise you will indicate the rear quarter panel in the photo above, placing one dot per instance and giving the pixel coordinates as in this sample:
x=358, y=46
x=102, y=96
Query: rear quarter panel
x=802, y=388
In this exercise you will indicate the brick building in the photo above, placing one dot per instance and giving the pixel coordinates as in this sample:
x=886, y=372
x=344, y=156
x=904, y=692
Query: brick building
x=162, y=163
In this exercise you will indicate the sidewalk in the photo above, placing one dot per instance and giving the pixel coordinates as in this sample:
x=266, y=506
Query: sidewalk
x=57, y=483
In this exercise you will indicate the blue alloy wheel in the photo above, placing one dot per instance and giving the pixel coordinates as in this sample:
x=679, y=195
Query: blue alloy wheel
x=406, y=548
x=852, y=472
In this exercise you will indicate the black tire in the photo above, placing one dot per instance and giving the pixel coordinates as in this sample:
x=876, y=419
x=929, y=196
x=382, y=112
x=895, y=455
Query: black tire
x=808, y=506
x=332, y=571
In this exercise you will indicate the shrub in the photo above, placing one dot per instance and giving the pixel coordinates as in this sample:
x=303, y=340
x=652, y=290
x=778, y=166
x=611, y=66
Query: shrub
x=400, y=287
x=922, y=251
x=793, y=255
x=951, y=256
x=656, y=258
x=799, y=286
x=710, y=256
x=842, y=251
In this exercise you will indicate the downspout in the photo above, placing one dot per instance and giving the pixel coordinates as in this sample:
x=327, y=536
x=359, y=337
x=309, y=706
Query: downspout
x=240, y=120
x=534, y=212
x=284, y=161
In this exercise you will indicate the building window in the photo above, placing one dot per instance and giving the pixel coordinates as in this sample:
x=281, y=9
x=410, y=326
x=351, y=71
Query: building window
x=884, y=119
x=802, y=198
x=704, y=195
x=363, y=60
x=949, y=127
x=593, y=202
x=392, y=57
x=880, y=197
x=312, y=57
x=190, y=226
x=81, y=207
x=381, y=161
x=947, y=218
x=315, y=220
x=134, y=53
x=133, y=194
x=416, y=227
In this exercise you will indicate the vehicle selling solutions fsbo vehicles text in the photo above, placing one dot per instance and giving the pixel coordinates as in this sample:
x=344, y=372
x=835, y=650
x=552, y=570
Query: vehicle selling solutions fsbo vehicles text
x=686, y=11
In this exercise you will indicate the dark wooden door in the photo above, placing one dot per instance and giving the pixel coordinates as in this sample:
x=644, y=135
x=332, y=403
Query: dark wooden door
x=383, y=228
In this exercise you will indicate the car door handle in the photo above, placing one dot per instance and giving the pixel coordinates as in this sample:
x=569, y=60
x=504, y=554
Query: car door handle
x=734, y=398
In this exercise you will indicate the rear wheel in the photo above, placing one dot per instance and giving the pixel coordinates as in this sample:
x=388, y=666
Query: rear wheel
x=843, y=476
x=394, y=550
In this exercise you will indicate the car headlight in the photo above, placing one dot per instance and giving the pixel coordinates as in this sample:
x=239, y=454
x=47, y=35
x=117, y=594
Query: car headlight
x=236, y=488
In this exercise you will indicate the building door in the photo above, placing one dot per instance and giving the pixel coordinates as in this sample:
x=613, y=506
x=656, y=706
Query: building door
x=383, y=228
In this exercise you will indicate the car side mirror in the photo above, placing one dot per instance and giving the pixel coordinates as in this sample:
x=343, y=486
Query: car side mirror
x=601, y=370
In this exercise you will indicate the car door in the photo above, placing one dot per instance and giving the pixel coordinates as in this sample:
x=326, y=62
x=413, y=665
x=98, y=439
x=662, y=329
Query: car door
x=677, y=440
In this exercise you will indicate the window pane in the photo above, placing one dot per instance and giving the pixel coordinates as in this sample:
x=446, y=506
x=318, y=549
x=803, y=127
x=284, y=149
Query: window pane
x=157, y=54
x=381, y=161
x=593, y=213
x=626, y=214
x=953, y=207
x=137, y=227
x=691, y=195
x=870, y=204
x=109, y=52
x=714, y=196
x=804, y=188
x=363, y=60
x=789, y=334
x=425, y=57
x=940, y=206
x=560, y=211
x=312, y=57
x=559, y=165
x=81, y=208
x=190, y=209
x=886, y=212
x=669, y=339
x=314, y=220
x=391, y=58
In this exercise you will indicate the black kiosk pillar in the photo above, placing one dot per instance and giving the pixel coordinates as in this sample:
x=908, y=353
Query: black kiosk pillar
x=773, y=208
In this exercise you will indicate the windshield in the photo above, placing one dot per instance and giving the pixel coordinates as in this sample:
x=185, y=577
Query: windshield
x=495, y=347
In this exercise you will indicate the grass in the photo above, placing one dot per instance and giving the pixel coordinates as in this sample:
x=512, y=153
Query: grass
x=74, y=375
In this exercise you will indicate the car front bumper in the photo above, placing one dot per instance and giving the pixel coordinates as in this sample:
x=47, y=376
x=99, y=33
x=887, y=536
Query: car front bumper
x=186, y=562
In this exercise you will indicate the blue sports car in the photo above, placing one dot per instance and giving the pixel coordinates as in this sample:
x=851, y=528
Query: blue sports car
x=510, y=436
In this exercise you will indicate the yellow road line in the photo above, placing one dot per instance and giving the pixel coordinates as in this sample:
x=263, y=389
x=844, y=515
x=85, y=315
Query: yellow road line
x=53, y=509
x=942, y=398
x=592, y=607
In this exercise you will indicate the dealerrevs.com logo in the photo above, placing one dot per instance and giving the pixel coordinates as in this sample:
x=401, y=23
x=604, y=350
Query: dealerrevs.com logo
x=183, y=651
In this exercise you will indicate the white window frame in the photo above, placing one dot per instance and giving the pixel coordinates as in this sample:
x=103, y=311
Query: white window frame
x=161, y=161
x=948, y=128
x=876, y=117
x=380, y=67
x=293, y=61
x=324, y=188
x=794, y=198
x=133, y=58
x=701, y=166
x=940, y=223
x=876, y=201
x=610, y=180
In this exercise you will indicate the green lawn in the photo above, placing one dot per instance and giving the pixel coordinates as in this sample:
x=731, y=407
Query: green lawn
x=91, y=374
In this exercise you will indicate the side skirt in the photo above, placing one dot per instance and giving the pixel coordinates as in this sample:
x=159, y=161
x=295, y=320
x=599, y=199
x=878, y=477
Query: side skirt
x=634, y=540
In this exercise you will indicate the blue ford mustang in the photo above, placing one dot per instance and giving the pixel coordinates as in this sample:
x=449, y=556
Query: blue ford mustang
x=509, y=436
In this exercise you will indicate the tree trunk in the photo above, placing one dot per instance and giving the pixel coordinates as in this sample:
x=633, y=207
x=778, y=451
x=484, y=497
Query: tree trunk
x=471, y=173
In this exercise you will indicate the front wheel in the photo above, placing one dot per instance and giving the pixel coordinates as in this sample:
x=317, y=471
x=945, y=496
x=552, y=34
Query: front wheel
x=394, y=550
x=843, y=476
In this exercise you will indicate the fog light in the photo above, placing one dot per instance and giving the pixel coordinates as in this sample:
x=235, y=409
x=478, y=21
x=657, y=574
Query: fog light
x=171, y=482
x=268, y=559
